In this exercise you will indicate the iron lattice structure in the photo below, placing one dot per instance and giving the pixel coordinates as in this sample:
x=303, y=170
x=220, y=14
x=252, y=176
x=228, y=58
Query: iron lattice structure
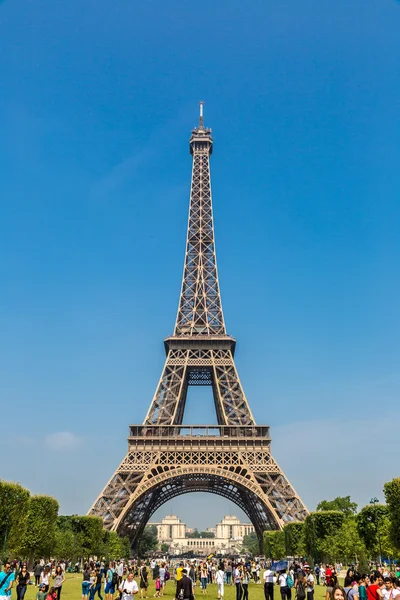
x=165, y=458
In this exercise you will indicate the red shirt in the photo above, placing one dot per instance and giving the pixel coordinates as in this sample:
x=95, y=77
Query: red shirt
x=372, y=592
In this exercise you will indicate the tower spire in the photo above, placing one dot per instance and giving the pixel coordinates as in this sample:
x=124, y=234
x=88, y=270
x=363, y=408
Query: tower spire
x=201, y=120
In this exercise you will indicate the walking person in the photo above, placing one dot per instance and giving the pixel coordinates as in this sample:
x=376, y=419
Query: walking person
x=184, y=589
x=309, y=582
x=97, y=585
x=245, y=582
x=23, y=578
x=129, y=587
x=45, y=578
x=111, y=579
x=238, y=583
x=268, y=584
x=144, y=583
x=86, y=582
x=286, y=592
x=7, y=578
x=203, y=578
x=59, y=579
x=37, y=569
x=220, y=579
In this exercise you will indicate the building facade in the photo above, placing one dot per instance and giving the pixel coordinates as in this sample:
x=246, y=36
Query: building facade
x=228, y=536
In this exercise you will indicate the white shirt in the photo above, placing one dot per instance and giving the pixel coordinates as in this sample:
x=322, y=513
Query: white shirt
x=128, y=589
x=389, y=594
x=310, y=580
x=268, y=576
x=282, y=580
x=219, y=577
x=120, y=569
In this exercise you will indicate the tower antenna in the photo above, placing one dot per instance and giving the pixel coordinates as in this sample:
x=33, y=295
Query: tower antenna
x=201, y=120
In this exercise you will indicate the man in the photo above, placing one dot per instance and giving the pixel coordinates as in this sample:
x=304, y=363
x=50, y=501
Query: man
x=388, y=591
x=219, y=579
x=268, y=584
x=129, y=587
x=109, y=588
x=179, y=572
x=309, y=582
x=120, y=571
x=6, y=581
x=184, y=587
x=317, y=571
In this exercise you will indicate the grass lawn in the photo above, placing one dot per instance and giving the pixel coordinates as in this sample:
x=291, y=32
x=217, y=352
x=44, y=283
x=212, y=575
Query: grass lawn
x=72, y=591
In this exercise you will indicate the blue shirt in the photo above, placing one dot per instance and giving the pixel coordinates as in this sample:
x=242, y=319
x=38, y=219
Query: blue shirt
x=5, y=582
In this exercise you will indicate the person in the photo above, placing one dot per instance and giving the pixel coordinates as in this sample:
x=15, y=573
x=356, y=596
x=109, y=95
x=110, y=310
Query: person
x=179, y=572
x=388, y=591
x=86, y=582
x=203, y=577
x=309, y=582
x=285, y=590
x=228, y=573
x=158, y=587
x=41, y=595
x=238, y=583
x=245, y=582
x=59, y=579
x=144, y=584
x=268, y=584
x=220, y=579
x=362, y=588
x=22, y=581
x=161, y=573
x=7, y=578
x=300, y=585
x=317, y=571
x=348, y=578
x=337, y=593
x=184, y=589
x=373, y=589
x=52, y=594
x=97, y=585
x=120, y=571
x=331, y=582
x=37, y=569
x=45, y=578
x=109, y=588
x=129, y=587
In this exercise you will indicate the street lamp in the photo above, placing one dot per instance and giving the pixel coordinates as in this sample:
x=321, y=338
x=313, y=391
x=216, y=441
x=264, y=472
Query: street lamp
x=374, y=501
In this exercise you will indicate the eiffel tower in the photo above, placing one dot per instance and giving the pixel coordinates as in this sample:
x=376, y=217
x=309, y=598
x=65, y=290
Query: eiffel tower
x=166, y=458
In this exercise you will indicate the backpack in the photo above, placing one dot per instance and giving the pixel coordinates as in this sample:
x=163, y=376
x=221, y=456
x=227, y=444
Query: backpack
x=114, y=579
x=300, y=591
x=289, y=582
x=167, y=576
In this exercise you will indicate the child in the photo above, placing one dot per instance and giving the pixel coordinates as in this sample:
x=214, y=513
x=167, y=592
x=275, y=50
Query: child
x=158, y=587
x=41, y=595
x=52, y=594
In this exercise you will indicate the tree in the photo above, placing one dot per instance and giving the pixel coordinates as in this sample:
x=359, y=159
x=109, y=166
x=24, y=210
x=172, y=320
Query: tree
x=251, y=543
x=341, y=503
x=373, y=526
x=392, y=495
x=294, y=539
x=65, y=548
x=318, y=526
x=164, y=548
x=113, y=545
x=342, y=544
x=14, y=506
x=40, y=534
x=148, y=540
x=274, y=544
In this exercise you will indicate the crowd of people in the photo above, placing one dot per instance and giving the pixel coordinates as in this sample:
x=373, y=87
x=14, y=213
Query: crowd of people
x=120, y=580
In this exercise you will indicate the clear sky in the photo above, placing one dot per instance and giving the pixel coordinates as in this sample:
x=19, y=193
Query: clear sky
x=96, y=106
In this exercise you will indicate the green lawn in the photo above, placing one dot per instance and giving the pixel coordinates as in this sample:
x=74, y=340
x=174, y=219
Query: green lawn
x=72, y=591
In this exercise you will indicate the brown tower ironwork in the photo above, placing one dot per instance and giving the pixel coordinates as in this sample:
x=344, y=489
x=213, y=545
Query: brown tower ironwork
x=165, y=458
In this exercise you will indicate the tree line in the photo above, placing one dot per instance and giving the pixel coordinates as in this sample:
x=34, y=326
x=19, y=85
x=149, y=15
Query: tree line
x=337, y=532
x=30, y=527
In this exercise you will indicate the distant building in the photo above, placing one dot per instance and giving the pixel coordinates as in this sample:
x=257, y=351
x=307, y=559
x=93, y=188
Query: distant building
x=228, y=538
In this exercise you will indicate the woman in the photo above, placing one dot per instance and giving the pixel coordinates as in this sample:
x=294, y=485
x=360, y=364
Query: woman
x=237, y=578
x=23, y=579
x=300, y=585
x=331, y=582
x=337, y=593
x=45, y=579
x=86, y=582
x=203, y=578
x=348, y=580
x=37, y=569
x=144, y=584
x=58, y=580
x=245, y=583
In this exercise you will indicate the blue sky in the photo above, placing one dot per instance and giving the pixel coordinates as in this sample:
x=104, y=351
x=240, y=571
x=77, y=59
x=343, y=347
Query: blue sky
x=96, y=106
